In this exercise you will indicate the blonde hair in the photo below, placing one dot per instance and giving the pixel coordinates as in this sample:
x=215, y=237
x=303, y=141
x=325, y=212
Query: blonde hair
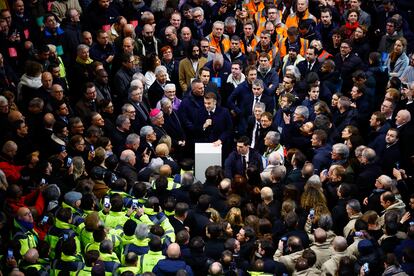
x=215, y=215
x=234, y=217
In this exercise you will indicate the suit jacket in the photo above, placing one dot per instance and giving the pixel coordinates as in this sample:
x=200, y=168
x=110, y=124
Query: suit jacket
x=242, y=98
x=155, y=93
x=234, y=165
x=186, y=71
x=221, y=127
x=173, y=127
x=141, y=113
x=303, y=67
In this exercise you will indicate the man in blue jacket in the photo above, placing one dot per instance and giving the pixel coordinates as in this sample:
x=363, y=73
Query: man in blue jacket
x=322, y=151
x=172, y=263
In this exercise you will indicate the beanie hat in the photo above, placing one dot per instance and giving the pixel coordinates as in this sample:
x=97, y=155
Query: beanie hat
x=71, y=197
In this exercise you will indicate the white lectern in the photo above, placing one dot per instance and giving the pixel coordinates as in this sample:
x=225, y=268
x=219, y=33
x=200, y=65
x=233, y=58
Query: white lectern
x=206, y=155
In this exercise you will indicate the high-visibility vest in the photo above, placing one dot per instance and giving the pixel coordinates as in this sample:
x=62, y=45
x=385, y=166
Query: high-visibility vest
x=304, y=44
x=252, y=8
x=293, y=19
x=222, y=46
x=147, y=261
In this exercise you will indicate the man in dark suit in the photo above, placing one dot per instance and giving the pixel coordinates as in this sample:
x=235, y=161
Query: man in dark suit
x=188, y=111
x=214, y=123
x=135, y=97
x=241, y=158
x=172, y=125
x=156, y=90
x=310, y=64
x=180, y=214
x=242, y=102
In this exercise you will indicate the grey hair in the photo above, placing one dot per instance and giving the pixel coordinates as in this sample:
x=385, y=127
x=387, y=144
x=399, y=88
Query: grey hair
x=36, y=102
x=125, y=107
x=345, y=102
x=325, y=222
x=142, y=230
x=132, y=138
x=3, y=100
x=197, y=9
x=164, y=102
x=8, y=146
x=172, y=28
x=295, y=71
x=170, y=86
x=303, y=110
x=258, y=82
x=230, y=21
x=127, y=155
x=106, y=246
x=354, y=205
x=121, y=119
x=341, y=149
x=160, y=69
x=359, y=150
x=145, y=130
x=317, y=44
x=386, y=181
x=275, y=159
x=260, y=105
x=369, y=154
x=274, y=137
x=218, y=22
x=278, y=172
x=138, y=76
x=82, y=47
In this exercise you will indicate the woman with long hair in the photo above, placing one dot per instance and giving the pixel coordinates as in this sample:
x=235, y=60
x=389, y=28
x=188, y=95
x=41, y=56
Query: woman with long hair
x=397, y=60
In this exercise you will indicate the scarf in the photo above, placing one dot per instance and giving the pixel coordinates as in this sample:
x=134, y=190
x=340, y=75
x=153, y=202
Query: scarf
x=200, y=28
x=81, y=61
x=28, y=226
x=350, y=28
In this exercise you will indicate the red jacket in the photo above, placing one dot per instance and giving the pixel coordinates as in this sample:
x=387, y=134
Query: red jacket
x=35, y=200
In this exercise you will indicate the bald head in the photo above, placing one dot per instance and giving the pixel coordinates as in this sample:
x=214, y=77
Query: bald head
x=320, y=235
x=216, y=269
x=173, y=251
x=339, y=244
x=24, y=214
x=165, y=170
x=49, y=120
x=129, y=30
x=14, y=116
x=403, y=117
x=32, y=256
x=128, y=156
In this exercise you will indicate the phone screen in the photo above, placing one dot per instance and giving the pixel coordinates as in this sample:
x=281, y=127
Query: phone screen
x=106, y=201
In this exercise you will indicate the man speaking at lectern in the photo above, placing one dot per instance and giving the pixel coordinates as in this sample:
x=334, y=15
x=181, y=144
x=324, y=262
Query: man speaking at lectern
x=214, y=124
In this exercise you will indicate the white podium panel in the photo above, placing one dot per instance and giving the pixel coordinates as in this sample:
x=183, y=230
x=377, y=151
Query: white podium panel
x=205, y=155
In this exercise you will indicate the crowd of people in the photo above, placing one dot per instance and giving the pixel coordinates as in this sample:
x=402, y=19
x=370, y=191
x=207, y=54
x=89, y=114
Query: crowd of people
x=311, y=103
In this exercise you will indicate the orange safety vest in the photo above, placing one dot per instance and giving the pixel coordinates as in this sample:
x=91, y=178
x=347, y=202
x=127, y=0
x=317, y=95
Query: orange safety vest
x=272, y=52
x=253, y=44
x=293, y=20
x=324, y=56
x=225, y=43
x=252, y=8
x=261, y=19
x=304, y=44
